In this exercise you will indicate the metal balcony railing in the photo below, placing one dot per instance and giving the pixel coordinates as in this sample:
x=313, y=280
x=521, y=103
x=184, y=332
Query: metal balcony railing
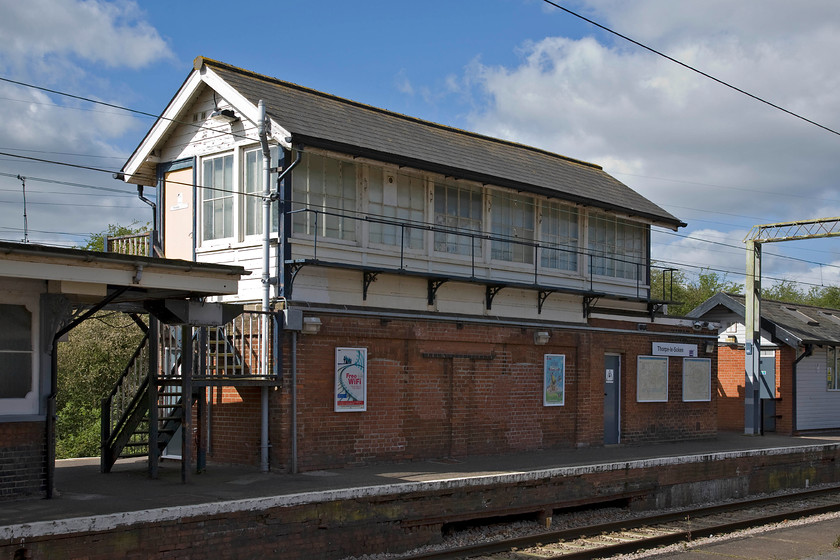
x=473, y=245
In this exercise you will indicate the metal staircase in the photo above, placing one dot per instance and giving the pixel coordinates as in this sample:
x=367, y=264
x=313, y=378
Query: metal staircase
x=224, y=355
x=126, y=420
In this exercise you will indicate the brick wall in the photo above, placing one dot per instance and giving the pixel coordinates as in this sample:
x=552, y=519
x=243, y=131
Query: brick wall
x=644, y=422
x=22, y=459
x=369, y=521
x=449, y=390
x=731, y=388
x=731, y=381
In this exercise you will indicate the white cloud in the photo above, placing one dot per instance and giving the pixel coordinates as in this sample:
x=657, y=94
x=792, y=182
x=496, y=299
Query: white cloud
x=68, y=45
x=110, y=33
x=729, y=158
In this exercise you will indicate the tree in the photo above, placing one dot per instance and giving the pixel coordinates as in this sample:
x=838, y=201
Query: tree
x=786, y=290
x=96, y=241
x=687, y=294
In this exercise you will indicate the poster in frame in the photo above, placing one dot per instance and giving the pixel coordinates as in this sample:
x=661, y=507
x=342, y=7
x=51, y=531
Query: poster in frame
x=554, y=380
x=350, y=379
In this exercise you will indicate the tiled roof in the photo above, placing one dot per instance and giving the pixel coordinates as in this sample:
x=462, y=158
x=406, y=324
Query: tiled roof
x=806, y=323
x=318, y=119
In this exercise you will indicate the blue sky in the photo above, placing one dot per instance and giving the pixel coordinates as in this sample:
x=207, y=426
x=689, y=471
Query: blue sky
x=521, y=70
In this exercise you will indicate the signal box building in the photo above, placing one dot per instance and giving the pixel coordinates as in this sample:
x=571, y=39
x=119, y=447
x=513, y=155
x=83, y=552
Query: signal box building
x=437, y=293
x=800, y=391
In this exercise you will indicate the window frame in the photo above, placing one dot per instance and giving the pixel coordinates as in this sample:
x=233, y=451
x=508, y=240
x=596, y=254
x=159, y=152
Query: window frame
x=557, y=246
x=415, y=212
x=603, y=244
x=29, y=405
x=247, y=194
x=208, y=186
x=521, y=248
x=301, y=218
x=456, y=221
x=832, y=383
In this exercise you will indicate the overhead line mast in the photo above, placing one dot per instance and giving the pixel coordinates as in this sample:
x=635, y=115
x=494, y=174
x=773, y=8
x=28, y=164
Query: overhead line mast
x=767, y=233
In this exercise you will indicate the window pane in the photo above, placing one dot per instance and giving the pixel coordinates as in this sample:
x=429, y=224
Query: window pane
x=459, y=209
x=398, y=199
x=15, y=374
x=15, y=351
x=324, y=192
x=217, y=197
x=617, y=247
x=559, y=236
x=254, y=188
x=15, y=328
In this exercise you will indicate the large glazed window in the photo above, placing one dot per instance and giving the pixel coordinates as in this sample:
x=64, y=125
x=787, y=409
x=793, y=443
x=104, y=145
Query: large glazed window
x=396, y=198
x=324, y=197
x=217, y=197
x=559, y=236
x=617, y=247
x=254, y=188
x=15, y=352
x=457, y=209
x=512, y=216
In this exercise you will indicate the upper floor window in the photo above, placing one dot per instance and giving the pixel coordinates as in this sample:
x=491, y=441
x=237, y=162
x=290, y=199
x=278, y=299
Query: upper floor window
x=396, y=198
x=217, y=197
x=254, y=189
x=559, y=236
x=512, y=217
x=324, y=197
x=458, y=208
x=618, y=247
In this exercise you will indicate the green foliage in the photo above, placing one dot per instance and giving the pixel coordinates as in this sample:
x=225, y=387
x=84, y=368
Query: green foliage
x=688, y=294
x=96, y=241
x=89, y=364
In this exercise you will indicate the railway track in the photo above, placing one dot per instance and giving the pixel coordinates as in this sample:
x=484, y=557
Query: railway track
x=642, y=533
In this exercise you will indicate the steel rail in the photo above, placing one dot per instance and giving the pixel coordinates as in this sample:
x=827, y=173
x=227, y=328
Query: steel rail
x=691, y=518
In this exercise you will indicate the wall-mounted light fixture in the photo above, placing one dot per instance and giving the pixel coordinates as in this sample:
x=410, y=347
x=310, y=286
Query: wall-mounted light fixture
x=311, y=325
x=224, y=115
x=710, y=347
x=541, y=337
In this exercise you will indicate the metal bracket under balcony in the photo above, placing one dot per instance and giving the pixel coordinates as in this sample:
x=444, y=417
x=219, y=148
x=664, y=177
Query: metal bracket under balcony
x=434, y=282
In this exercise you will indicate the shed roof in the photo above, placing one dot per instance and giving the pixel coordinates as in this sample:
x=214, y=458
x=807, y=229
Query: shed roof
x=322, y=120
x=792, y=324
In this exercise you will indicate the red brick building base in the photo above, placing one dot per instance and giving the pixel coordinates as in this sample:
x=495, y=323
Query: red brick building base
x=23, y=470
x=452, y=389
x=731, y=382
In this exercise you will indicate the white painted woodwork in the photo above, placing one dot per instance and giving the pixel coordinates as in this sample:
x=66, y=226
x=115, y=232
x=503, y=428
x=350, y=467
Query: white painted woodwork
x=816, y=406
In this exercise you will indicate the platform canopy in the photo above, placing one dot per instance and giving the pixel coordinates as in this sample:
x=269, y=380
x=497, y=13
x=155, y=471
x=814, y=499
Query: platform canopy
x=86, y=277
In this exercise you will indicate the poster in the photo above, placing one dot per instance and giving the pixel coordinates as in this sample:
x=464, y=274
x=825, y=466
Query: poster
x=652, y=379
x=554, y=380
x=350, y=379
x=697, y=379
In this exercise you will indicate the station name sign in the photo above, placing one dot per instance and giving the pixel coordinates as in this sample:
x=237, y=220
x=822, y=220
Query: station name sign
x=674, y=349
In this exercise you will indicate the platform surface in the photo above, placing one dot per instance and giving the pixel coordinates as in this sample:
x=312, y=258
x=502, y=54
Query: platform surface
x=82, y=491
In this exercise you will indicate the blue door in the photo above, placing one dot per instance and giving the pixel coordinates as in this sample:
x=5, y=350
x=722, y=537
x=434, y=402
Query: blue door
x=612, y=398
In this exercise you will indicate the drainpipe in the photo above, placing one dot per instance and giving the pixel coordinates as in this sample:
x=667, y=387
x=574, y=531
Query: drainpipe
x=266, y=281
x=153, y=239
x=268, y=198
x=294, y=468
x=809, y=349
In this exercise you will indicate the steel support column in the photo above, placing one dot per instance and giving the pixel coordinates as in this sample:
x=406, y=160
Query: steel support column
x=752, y=344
